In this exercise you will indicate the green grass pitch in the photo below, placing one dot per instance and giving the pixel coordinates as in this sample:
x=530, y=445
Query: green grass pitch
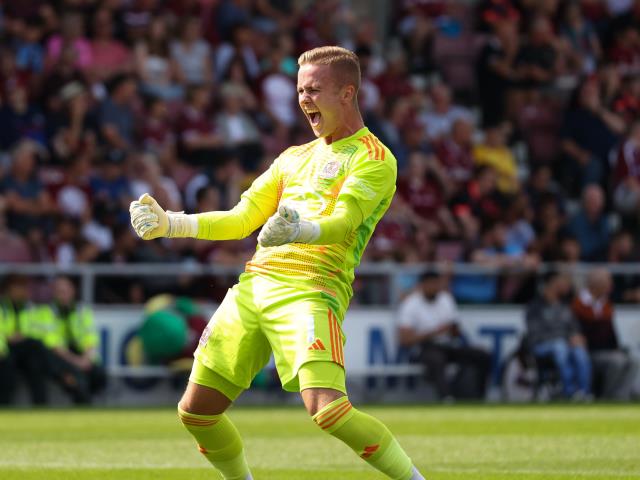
x=446, y=442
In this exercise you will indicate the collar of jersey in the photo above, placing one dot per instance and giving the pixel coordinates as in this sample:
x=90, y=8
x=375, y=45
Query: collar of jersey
x=360, y=133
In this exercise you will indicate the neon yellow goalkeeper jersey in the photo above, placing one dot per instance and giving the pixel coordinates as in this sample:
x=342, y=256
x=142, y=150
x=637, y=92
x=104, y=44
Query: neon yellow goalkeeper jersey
x=355, y=175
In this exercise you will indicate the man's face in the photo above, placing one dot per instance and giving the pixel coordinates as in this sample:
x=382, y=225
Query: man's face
x=63, y=291
x=320, y=99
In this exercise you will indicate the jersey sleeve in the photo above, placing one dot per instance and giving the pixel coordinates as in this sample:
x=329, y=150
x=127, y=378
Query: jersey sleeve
x=256, y=205
x=368, y=183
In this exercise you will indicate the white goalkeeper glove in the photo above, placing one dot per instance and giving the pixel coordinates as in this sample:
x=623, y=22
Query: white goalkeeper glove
x=285, y=226
x=150, y=221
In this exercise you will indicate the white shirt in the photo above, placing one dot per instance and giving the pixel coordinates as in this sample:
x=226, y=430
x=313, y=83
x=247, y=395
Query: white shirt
x=424, y=315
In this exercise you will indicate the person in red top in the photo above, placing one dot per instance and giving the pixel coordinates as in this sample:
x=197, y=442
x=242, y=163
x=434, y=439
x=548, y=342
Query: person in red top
x=594, y=311
x=627, y=173
x=425, y=187
x=454, y=153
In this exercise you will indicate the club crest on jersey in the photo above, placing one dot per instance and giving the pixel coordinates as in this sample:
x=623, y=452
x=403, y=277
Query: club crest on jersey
x=330, y=170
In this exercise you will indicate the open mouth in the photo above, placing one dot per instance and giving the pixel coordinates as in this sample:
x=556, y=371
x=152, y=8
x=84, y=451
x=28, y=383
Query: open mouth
x=314, y=118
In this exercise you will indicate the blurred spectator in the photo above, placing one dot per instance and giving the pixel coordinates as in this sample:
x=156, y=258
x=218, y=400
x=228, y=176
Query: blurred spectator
x=20, y=323
x=590, y=224
x=157, y=133
x=625, y=51
x=240, y=48
x=590, y=132
x=500, y=253
x=74, y=127
x=627, y=100
x=552, y=331
x=495, y=153
x=116, y=118
x=19, y=118
x=27, y=202
x=109, y=56
x=72, y=35
x=155, y=67
x=626, y=286
x=495, y=66
x=454, y=152
x=478, y=202
x=393, y=82
x=549, y=226
x=110, y=187
x=149, y=178
x=626, y=193
x=424, y=189
x=427, y=323
x=612, y=366
x=582, y=37
x=199, y=142
x=439, y=119
x=239, y=131
x=29, y=50
x=192, y=54
x=278, y=92
x=73, y=341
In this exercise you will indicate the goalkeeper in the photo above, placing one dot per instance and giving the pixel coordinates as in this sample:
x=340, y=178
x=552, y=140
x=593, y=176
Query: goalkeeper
x=318, y=205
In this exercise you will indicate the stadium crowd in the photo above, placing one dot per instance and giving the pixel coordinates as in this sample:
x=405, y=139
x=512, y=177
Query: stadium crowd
x=515, y=124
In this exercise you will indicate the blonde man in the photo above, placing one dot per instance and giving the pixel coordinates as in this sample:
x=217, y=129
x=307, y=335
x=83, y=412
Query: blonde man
x=318, y=205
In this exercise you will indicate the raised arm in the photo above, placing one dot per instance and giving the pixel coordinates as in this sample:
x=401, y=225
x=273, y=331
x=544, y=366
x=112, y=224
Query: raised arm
x=259, y=202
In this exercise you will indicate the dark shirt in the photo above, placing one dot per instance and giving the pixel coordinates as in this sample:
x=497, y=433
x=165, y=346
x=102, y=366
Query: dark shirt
x=549, y=321
x=590, y=132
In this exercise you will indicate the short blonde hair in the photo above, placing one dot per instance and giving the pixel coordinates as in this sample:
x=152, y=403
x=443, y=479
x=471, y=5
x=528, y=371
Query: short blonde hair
x=343, y=62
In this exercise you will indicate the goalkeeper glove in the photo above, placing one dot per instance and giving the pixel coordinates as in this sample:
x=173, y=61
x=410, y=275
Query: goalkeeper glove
x=285, y=226
x=150, y=221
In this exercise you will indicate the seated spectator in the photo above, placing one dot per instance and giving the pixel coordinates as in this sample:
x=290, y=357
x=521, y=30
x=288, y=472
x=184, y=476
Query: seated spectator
x=582, y=36
x=498, y=253
x=625, y=51
x=589, y=133
x=29, y=49
x=150, y=178
x=20, y=323
x=74, y=127
x=454, y=152
x=552, y=331
x=73, y=340
x=199, y=142
x=494, y=152
x=439, y=119
x=155, y=67
x=20, y=118
x=72, y=35
x=110, y=56
x=590, y=224
x=116, y=117
x=237, y=128
x=278, y=92
x=478, y=202
x=424, y=189
x=549, y=225
x=27, y=202
x=240, y=48
x=192, y=54
x=427, y=322
x=627, y=175
x=626, y=286
x=110, y=186
x=157, y=134
x=495, y=68
x=595, y=312
x=627, y=102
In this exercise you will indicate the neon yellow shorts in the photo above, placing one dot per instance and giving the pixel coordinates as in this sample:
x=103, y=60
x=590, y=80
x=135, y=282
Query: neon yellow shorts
x=259, y=316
